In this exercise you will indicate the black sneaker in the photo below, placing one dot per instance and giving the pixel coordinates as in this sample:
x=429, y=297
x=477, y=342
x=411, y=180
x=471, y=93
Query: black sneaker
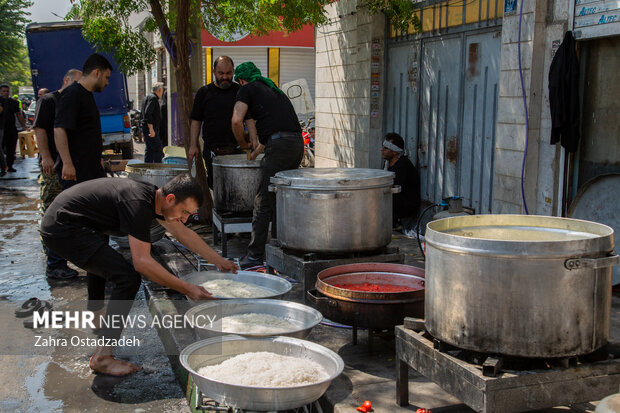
x=62, y=273
x=11, y=169
x=249, y=262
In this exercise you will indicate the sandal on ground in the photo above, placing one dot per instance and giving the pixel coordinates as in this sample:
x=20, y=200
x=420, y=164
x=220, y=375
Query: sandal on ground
x=28, y=307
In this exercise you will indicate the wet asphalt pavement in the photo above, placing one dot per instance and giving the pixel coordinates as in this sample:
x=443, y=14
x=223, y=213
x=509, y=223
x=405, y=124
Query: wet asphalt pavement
x=57, y=377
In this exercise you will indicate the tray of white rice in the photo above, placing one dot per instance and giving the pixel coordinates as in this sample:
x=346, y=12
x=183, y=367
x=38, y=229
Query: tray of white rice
x=253, y=318
x=261, y=374
x=243, y=284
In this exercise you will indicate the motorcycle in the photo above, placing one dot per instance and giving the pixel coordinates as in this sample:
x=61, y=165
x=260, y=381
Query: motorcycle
x=136, y=133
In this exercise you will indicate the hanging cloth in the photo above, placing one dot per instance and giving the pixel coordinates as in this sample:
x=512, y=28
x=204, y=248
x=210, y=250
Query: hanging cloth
x=564, y=95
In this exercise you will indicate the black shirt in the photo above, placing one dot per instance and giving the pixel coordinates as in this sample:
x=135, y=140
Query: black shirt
x=114, y=206
x=77, y=113
x=272, y=111
x=151, y=112
x=44, y=119
x=407, y=202
x=3, y=102
x=214, y=107
x=10, y=109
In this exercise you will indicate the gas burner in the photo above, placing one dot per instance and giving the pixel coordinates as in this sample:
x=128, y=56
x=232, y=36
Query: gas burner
x=206, y=404
x=303, y=266
x=495, y=383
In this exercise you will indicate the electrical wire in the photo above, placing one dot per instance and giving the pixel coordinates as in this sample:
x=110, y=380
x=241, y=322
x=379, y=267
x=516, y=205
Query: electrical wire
x=527, y=126
x=176, y=245
x=417, y=229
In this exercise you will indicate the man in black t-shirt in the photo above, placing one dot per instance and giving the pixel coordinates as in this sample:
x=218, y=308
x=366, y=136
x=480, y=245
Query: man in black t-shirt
x=50, y=186
x=76, y=227
x=77, y=129
x=279, y=134
x=406, y=204
x=11, y=111
x=213, y=108
x=149, y=123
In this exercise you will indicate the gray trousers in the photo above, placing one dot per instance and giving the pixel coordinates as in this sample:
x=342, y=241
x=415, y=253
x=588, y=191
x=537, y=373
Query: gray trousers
x=281, y=154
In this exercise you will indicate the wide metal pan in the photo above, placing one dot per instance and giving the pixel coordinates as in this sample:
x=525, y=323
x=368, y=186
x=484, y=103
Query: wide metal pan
x=216, y=350
x=303, y=317
x=277, y=286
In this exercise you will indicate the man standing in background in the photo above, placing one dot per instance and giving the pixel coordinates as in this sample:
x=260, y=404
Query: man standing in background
x=11, y=111
x=151, y=119
x=213, y=108
x=50, y=186
x=77, y=128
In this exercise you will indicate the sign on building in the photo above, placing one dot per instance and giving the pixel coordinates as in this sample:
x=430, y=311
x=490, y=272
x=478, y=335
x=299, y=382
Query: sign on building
x=595, y=18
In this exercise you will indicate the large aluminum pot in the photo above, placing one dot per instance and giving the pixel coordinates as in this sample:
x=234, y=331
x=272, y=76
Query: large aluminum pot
x=530, y=286
x=235, y=182
x=217, y=350
x=334, y=209
x=155, y=173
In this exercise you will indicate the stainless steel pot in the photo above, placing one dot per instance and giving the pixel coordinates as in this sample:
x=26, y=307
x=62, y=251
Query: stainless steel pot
x=155, y=173
x=235, y=182
x=334, y=209
x=529, y=286
x=304, y=318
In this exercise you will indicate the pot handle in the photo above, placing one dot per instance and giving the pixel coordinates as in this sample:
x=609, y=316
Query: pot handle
x=280, y=181
x=594, y=263
x=272, y=188
x=315, y=299
x=395, y=189
x=323, y=195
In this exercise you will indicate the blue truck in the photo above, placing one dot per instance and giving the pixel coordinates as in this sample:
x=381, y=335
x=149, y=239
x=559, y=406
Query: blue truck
x=57, y=47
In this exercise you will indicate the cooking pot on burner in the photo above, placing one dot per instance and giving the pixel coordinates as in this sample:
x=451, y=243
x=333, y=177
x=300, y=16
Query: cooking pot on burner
x=519, y=285
x=334, y=209
x=378, y=310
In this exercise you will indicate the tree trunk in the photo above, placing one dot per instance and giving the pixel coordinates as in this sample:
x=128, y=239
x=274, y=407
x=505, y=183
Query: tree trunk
x=185, y=101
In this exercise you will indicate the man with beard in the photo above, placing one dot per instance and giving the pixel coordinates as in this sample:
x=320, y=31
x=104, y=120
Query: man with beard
x=213, y=108
x=77, y=129
x=75, y=227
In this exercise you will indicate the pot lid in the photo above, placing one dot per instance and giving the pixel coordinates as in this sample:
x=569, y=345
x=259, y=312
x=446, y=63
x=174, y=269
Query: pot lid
x=239, y=160
x=334, y=178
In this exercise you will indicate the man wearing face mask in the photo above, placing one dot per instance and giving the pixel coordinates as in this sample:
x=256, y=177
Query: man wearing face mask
x=213, y=108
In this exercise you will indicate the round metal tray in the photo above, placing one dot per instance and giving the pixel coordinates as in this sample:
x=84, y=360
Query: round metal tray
x=303, y=317
x=216, y=350
x=276, y=285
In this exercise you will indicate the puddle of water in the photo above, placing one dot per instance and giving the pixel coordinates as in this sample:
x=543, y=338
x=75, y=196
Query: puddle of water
x=34, y=384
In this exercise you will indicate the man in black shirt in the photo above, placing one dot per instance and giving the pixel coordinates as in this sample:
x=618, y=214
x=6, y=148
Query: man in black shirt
x=76, y=226
x=405, y=205
x=151, y=119
x=11, y=111
x=213, y=108
x=3, y=104
x=50, y=186
x=77, y=129
x=279, y=134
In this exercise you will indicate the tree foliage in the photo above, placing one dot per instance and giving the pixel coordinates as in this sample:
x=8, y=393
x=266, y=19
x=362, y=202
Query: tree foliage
x=14, y=60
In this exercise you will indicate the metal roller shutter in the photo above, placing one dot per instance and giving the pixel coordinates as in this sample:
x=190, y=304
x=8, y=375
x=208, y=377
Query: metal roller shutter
x=258, y=55
x=298, y=63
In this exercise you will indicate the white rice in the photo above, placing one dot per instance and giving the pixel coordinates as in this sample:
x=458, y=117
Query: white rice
x=235, y=289
x=255, y=323
x=265, y=369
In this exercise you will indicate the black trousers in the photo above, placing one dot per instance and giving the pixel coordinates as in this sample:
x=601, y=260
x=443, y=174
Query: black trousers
x=89, y=250
x=9, y=144
x=281, y=154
